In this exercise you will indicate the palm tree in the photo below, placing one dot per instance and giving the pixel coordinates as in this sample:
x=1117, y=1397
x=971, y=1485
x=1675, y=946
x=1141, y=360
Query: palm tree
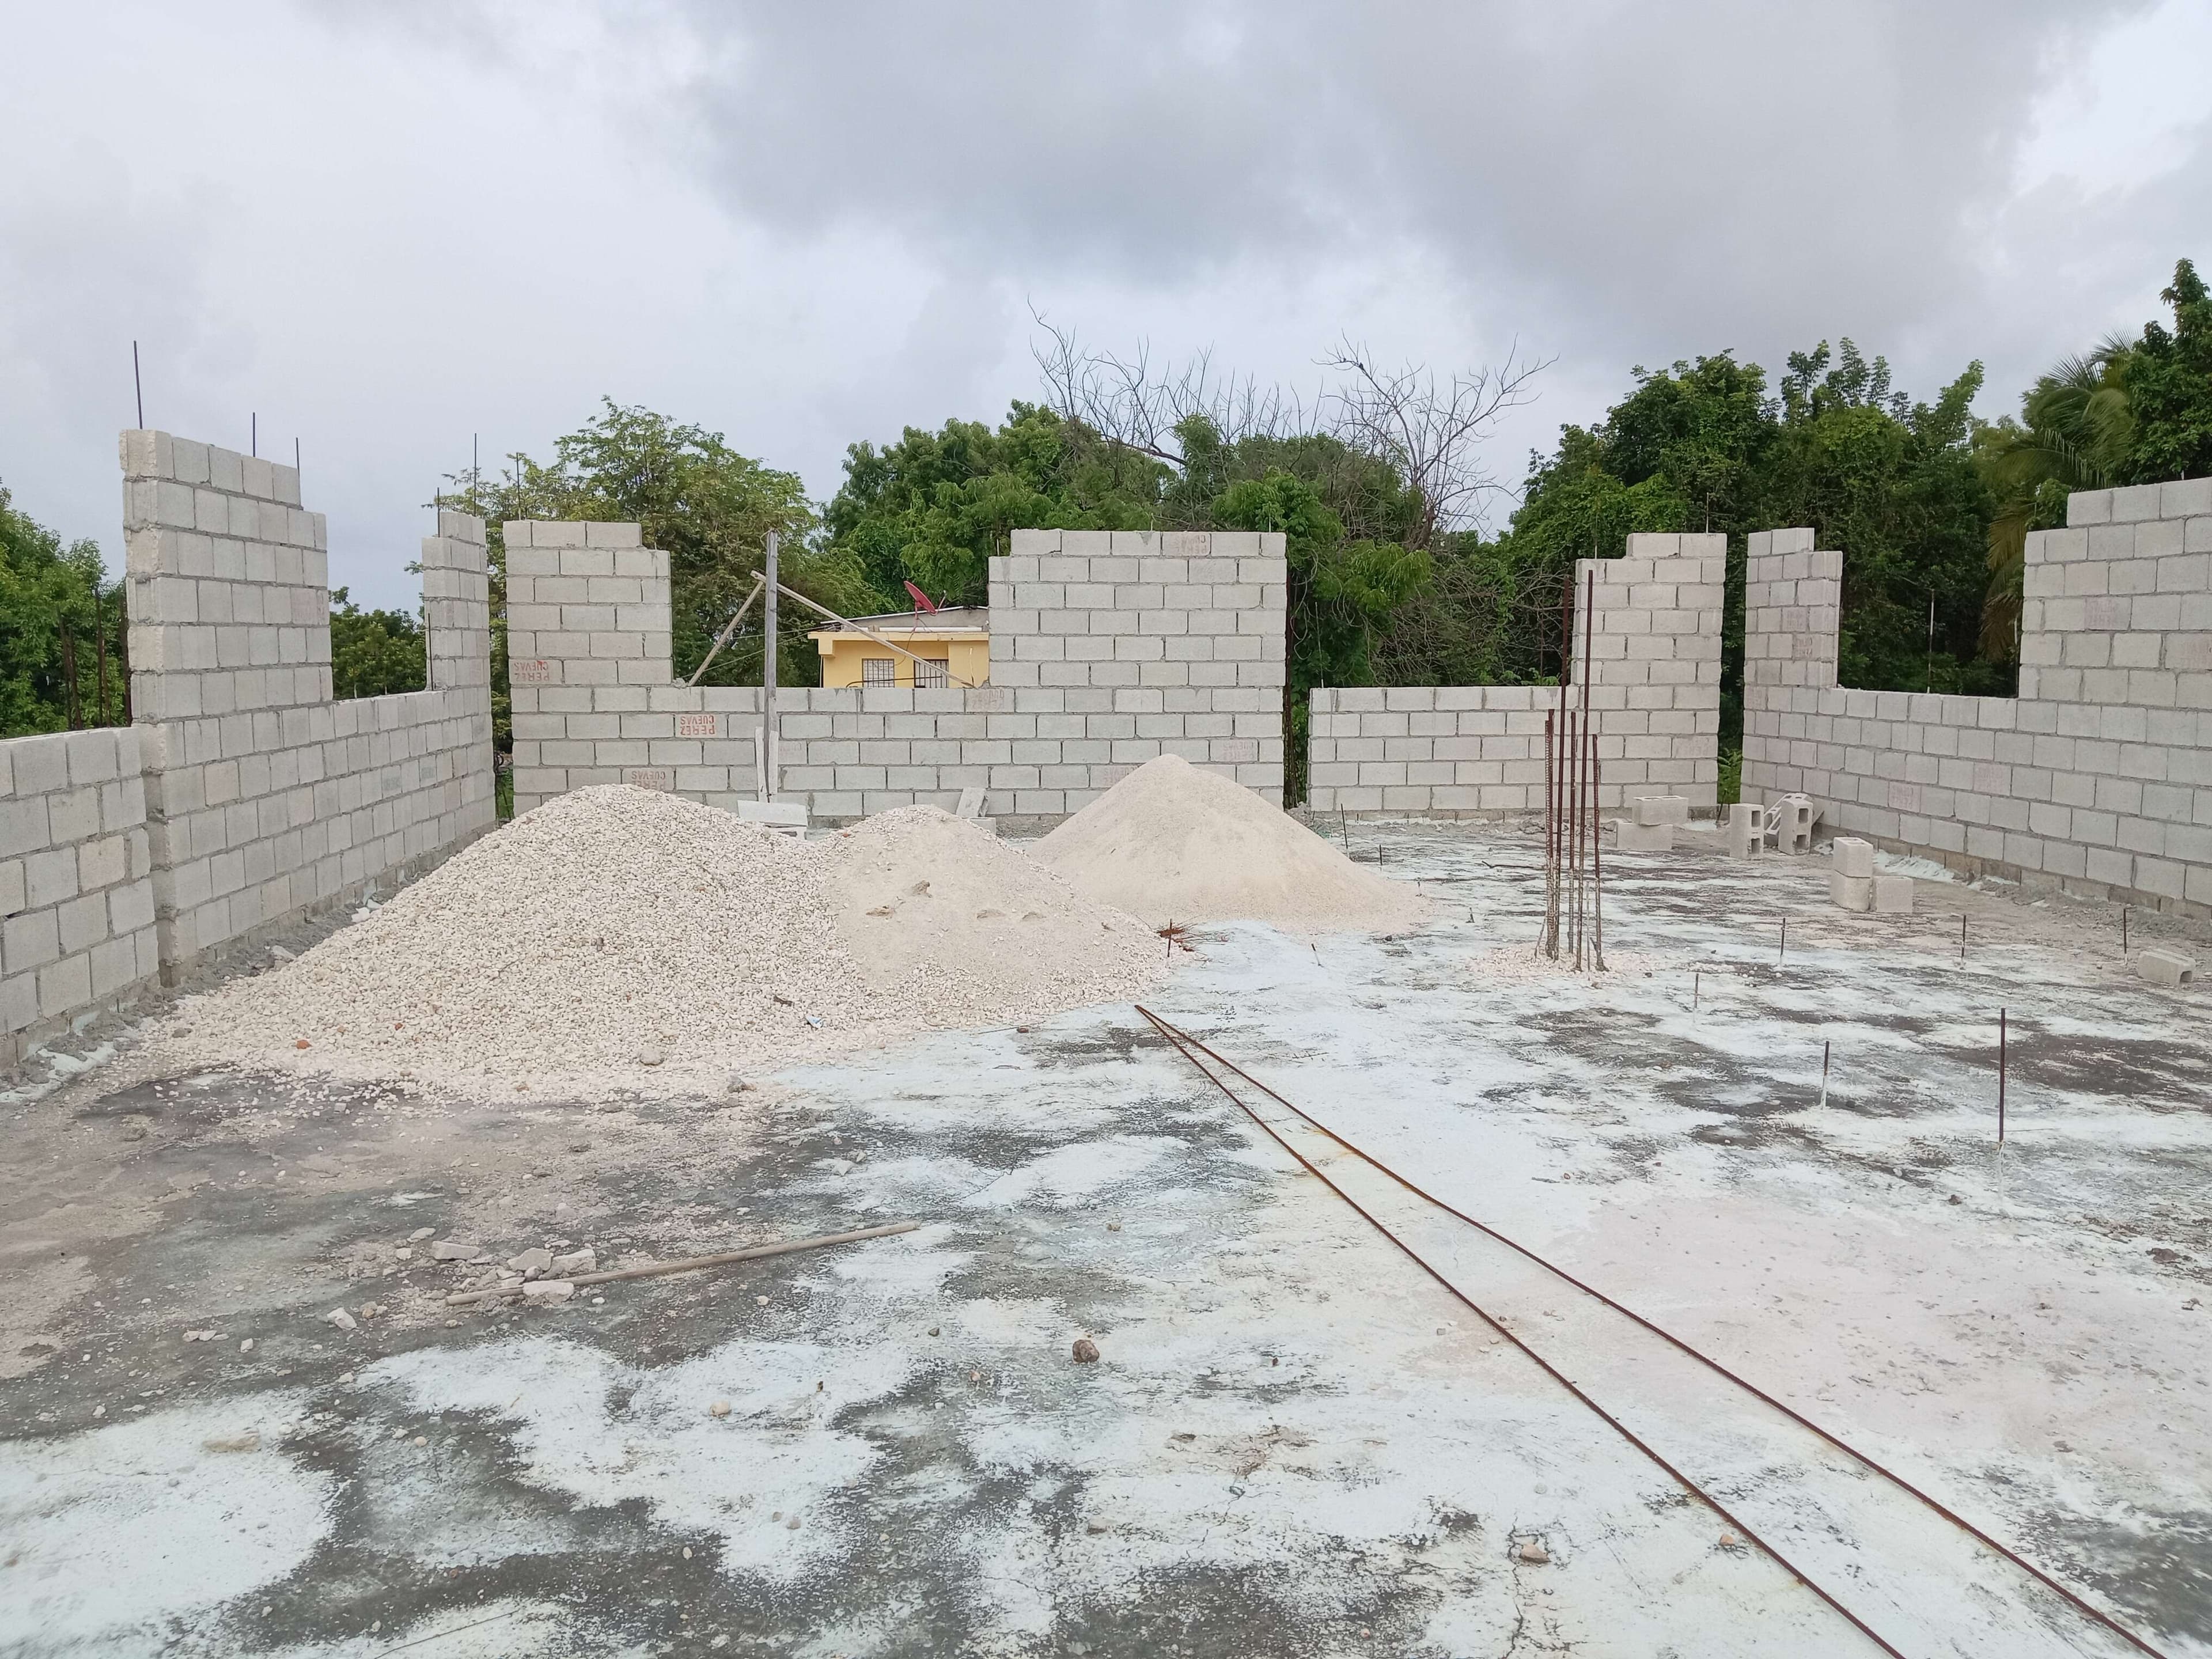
x=2075, y=432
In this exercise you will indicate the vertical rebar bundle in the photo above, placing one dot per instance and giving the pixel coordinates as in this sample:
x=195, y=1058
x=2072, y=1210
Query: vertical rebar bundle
x=1574, y=923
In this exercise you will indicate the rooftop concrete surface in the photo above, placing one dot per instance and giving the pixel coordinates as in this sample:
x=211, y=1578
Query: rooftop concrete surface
x=1294, y=1440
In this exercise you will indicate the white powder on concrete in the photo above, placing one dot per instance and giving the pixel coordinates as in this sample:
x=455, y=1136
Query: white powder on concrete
x=619, y=938
x=1171, y=843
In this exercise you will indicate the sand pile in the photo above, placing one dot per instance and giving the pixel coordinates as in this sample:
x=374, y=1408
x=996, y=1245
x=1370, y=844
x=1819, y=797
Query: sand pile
x=1172, y=842
x=618, y=938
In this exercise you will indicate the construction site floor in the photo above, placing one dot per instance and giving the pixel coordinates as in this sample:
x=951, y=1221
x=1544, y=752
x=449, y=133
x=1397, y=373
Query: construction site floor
x=1294, y=1442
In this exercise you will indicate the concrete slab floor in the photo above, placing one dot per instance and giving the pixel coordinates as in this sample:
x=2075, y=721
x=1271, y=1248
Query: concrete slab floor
x=1294, y=1442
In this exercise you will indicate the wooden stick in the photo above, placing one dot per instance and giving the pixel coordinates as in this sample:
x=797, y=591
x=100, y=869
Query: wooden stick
x=693, y=1264
x=728, y=629
x=951, y=679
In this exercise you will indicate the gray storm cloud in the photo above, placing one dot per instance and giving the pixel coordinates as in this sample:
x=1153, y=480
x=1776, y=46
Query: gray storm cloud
x=385, y=230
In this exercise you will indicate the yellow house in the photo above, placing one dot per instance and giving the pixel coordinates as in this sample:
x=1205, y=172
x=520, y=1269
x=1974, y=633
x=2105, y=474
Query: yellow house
x=954, y=644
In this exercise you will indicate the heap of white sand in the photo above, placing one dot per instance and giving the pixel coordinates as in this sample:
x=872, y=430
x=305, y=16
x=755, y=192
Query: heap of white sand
x=618, y=938
x=1172, y=842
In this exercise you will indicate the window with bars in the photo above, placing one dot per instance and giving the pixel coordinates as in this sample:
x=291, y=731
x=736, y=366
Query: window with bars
x=933, y=671
x=878, y=670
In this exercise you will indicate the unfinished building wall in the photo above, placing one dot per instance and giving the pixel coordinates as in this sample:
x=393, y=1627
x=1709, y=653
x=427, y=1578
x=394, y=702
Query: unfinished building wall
x=1108, y=648
x=76, y=895
x=2097, y=777
x=1452, y=750
x=266, y=798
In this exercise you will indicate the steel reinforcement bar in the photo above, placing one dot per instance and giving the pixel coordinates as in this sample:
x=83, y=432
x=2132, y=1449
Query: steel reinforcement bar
x=1190, y=1048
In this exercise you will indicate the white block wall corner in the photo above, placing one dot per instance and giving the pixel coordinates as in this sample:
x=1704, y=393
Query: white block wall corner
x=1472, y=751
x=2098, y=778
x=266, y=798
x=1108, y=648
x=77, y=895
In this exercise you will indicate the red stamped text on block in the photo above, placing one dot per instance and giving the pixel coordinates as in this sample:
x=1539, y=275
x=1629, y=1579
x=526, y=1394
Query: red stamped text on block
x=698, y=726
x=530, y=671
x=649, y=777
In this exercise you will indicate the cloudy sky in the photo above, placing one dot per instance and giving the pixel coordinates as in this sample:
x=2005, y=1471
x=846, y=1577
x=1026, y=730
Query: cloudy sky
x=385, y=227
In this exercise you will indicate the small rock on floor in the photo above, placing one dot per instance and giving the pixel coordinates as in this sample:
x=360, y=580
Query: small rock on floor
x=1086, y=1351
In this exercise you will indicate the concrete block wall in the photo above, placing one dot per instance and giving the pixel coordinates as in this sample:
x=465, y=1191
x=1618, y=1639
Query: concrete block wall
x=264, y=796
x=2097, y=778
x=77, y=895
x=1108, y=648
x=1448, y=751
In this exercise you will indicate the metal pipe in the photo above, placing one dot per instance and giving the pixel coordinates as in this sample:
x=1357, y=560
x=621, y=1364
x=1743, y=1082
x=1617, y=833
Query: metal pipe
x=768, y=734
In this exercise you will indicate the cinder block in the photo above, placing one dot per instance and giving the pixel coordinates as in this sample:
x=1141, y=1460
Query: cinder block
x=1745, y=839
x=1892, y=895
x=1853, y=857
x=1850, y=892
x=1630, y=837
x=2162, y=965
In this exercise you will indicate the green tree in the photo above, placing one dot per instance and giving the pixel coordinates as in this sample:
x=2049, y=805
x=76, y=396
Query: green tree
x=374, y=653
x=2075, y=432
x=1893, y=483
x=2170, y=387
x=693, y=497
x=933, y=507
x=58, y=623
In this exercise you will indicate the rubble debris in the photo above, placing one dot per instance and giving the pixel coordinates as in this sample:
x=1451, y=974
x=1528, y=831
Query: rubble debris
x=455, y=1249
x=341, y=1318
x=720, y=1408
x=249, y=1441
x=1532, y=1554
x=548, y=1290
x=1086, y=1351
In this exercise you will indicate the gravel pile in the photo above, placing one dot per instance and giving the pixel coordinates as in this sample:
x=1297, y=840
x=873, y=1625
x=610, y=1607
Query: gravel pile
x=621, y=938
x=1170, y=842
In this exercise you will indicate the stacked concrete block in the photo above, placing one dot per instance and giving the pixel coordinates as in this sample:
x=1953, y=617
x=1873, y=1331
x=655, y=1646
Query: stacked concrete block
x=1851, y=874
x=264, y=796
x=1108, y=648
x=457, y=604
x=1661, y=809
x=2098, y=778
x=1633, y=834
x=1160, y=643
x=1746, y=830
x=76, y=897
x=1655, y=655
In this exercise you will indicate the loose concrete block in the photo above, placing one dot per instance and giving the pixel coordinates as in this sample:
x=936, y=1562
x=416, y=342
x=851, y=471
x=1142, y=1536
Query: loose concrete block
x=1892, y=895
x=1745, y=837
x=1850, y=892
x=1853, y=857
x=1630, y=837
x=2164, y=966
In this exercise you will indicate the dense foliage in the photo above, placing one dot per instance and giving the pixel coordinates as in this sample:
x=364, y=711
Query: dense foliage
x=933, y=507
x=2129, y=411
x=61, y=632
x=374, y=652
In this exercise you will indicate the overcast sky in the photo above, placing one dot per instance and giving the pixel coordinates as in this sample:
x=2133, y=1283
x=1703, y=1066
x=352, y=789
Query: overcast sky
x=385, y=227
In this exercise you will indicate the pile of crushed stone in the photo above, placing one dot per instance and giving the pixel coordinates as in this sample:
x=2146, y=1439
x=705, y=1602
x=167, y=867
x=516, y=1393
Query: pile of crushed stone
x=621, y=938
x=1171, y=843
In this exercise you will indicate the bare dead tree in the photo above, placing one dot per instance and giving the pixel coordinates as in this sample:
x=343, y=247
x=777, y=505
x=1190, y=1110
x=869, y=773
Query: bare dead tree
x=1139, y=403
x=1428, y=429
x=1431, y=430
